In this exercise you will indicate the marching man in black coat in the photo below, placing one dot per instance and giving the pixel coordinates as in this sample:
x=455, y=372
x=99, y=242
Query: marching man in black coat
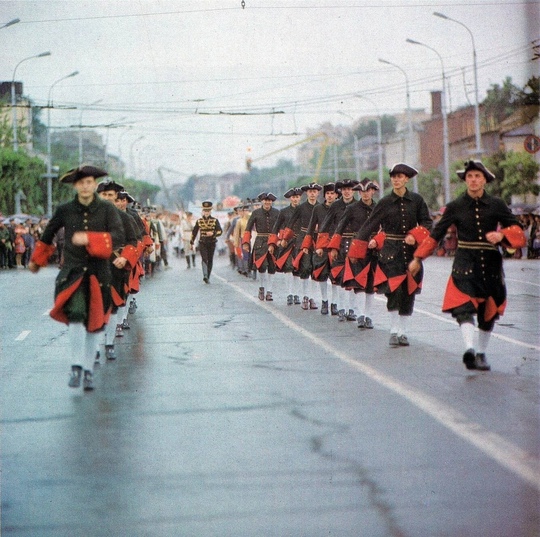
x=93, y=230
x=209, y=229
x=476, y=285
x=403, y=217
x=263, y=221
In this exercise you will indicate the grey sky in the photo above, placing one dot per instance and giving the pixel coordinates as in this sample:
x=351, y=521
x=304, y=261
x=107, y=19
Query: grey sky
x=175, y=70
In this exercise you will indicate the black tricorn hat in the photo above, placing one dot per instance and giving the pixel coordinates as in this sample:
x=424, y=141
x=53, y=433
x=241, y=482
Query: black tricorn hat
x=266, y=196
x=366, y=184
x=329, y=187
x=347, y=183
x=311, y=186
x=109, y=184
x=400, y=167
x=207, y=205
x=296, y=191
x=476, y=165
x=124, y=195
x=72, y=176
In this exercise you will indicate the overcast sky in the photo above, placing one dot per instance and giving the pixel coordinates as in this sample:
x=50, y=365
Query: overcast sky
x=177, y=71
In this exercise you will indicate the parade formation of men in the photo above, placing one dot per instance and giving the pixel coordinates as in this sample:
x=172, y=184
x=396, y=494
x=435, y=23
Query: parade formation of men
x=354, y=247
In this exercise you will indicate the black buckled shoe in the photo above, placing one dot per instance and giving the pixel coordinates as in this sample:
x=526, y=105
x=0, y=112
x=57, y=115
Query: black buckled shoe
x=341, y=316
x=305, y=303
x=261, y=293
x=289, y=300
x=75, y=378
x=324, y=307
x=469, y=359
x=88, y=381
x=361, y=321
x=312, y=305
x=125, y=325
x=269, y=296
x=368, y=323
x=480, y=362
x=403, y=341
x=333, y=309
x=296, y=299
x=119, y=331
x=394, y=340
x=350, y=316
x=98, y=356
x=109, y=352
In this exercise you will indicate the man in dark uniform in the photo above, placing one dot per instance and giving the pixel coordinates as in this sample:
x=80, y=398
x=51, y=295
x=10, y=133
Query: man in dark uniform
x=93, y=230
x=335, y=213
x=358, y=278
x=302, y=265
x=123, y=260
x=476, y=285
x=209, y=229
x=404, y=219
x=283, y=250
x=320, y=264
x=263, y=221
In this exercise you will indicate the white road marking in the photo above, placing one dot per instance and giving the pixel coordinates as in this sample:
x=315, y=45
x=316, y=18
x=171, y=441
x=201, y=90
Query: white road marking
x=22, y=335
x=523, y=464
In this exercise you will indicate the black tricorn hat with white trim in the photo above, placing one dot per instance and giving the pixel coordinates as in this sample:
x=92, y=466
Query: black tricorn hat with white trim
x=266, y=196
x=400, y=167
x=476, y=165
x=74, y=175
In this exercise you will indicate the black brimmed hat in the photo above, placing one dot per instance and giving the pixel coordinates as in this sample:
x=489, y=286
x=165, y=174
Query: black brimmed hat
x=365, y=184
x=207, y=206
x=296, y=191
x=124, y=195
x=329, y=187
x=311, y=186
x=266, y=196
x=346, y=183
x=109, y=184
x=476, y=165
x=74, y=175
x=409, y=171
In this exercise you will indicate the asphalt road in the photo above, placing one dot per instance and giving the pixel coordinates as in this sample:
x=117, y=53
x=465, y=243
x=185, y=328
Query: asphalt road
x=227, y=416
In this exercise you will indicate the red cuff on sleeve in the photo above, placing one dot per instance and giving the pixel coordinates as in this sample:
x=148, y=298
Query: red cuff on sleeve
x=358, y=249
x=379, y=239
x=419, y=233
x=335, y=242
x=515, y=236
x=99, y=244
x=322, y=241
x=131, y=254
x=307, y=242
x=426, y=248
x=272, y=239
x=287, y=234
x=247, y=237
x=42, y=252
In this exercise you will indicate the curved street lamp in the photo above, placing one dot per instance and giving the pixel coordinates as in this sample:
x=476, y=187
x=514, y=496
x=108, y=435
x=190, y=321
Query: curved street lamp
x=446, y=151
x=478, y=135
x=409, y=121
x=10, y=23
x=13, y=98
x=49, y=162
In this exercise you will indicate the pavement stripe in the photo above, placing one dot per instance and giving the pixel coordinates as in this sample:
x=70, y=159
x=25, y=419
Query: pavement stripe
x=22, y=335
x=523, y=464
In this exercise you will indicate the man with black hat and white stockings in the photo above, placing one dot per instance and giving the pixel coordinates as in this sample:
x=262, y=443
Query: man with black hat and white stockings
x=476, y=285
x=401, y=221
x=262, y=220
x=209, y=229
x=302, y=265
x=337, y=264
x=93, y=230
x=283, y=250
x=358, y=278
x=320, y=263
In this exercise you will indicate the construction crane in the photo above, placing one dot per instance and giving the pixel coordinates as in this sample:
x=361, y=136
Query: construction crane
x=324, y=145
x=172, y=203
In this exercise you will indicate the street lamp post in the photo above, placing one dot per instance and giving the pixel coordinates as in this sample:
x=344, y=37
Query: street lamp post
x=409, y=150
x=478, y=135
x=10, y=23
x=14, y=99
x=379, y=144
x=446, y=151
x=49, y=174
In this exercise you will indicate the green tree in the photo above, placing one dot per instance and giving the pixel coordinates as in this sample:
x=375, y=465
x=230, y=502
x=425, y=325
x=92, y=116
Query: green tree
x=502, y=101
x=520, y=173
